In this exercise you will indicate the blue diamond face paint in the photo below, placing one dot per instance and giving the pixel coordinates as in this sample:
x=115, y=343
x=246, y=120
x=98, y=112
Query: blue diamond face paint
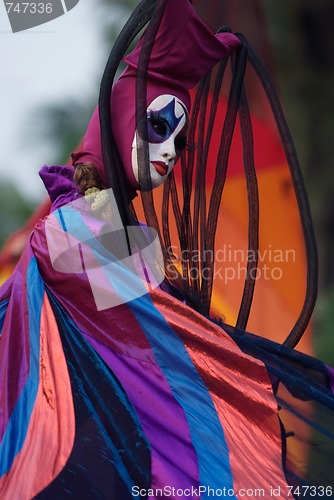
x=161, y=123
x=167, y=123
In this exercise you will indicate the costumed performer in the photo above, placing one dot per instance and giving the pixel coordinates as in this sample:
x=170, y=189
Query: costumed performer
x=108, y=389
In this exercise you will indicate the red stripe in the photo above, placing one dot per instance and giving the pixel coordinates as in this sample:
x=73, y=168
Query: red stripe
x=241, y=391
x=51, y=428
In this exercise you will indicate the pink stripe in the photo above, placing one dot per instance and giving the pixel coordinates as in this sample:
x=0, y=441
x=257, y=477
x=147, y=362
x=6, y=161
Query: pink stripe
x=242, y=394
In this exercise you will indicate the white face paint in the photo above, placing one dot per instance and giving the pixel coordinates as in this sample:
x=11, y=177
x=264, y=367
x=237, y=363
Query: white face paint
x=167, y=122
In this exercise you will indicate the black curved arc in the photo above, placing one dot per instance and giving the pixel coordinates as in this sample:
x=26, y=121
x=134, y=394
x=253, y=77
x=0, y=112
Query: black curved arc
x=114, y=173
x=301, y=196
x=253, y=209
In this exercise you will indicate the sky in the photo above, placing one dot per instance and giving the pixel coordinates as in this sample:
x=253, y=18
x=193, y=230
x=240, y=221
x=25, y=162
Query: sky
x=40, y=66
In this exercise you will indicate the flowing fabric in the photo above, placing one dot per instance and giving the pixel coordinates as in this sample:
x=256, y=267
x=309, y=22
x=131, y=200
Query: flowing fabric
x=147, y=398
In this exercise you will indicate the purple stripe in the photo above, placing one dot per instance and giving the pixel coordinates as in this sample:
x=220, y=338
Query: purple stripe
x=331, y=377
x=174, y=463
x=14, y=346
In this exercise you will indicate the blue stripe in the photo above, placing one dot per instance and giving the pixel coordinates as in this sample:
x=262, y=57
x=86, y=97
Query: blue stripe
x=126, y=284
x=3, y=310
x=186, y=384
x=16, y=431
x=61, y=218
x=191, y=393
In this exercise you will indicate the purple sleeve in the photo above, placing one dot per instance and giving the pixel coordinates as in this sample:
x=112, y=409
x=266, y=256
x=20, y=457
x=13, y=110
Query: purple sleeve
x=59, y=184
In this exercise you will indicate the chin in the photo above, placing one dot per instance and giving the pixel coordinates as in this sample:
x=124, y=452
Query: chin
x=155, y=181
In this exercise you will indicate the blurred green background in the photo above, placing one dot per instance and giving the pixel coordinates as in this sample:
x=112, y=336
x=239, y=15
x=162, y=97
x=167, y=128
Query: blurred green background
x=302, y=39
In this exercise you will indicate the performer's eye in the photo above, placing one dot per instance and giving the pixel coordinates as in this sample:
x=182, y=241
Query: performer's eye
x=180, y=143
x=159, y=125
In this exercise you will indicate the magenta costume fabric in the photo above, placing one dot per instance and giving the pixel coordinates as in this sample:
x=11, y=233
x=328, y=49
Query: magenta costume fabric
x=183, y=51
x=148, y=398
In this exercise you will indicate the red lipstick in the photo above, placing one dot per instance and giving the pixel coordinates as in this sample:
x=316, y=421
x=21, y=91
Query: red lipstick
x=160, y=167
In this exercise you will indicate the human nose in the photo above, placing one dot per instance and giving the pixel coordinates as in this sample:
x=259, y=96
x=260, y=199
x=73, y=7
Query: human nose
x=167, y=150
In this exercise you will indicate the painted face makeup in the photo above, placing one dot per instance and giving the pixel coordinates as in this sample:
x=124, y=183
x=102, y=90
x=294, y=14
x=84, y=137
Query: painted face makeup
x=167, y=122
